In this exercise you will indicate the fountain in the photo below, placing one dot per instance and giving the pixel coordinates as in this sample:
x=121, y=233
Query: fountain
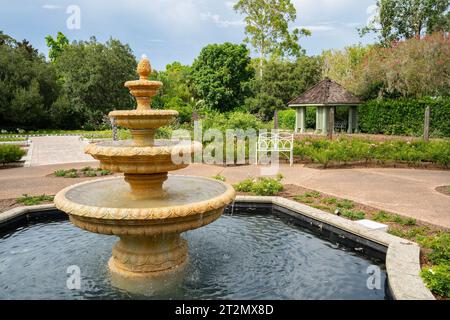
x=147, y=209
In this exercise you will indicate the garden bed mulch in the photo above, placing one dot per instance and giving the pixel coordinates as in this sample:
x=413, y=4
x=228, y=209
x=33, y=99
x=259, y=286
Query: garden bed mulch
x=444, y=190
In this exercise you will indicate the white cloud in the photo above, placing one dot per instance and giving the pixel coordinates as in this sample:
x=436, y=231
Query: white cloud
x=230, y=4
x=51, y=7
x=219, y=21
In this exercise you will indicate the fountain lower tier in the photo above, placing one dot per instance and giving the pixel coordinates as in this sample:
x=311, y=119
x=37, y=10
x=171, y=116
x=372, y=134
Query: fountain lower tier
x=149, y=227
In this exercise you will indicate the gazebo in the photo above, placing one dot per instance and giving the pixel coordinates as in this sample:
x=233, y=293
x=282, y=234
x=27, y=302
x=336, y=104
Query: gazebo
x=323, y=96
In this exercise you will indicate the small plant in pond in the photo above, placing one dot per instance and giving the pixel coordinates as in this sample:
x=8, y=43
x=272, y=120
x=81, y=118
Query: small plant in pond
x=330, y=201
x=34, y=200
x=405, y=221
x=219, y=178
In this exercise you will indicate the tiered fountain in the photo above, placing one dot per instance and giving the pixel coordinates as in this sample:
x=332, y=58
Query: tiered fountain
x=148, y=209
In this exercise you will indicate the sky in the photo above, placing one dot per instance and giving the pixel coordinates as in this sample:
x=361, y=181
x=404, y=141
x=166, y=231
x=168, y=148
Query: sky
x=175, y=30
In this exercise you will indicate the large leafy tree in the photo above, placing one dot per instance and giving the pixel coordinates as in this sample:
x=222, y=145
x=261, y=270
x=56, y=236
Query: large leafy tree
x=282, y=81
x=267, y=27
x=342, y=65
x=56, y=46
x=176, y=94
x=28, y=86
x=413, y=68
x=405, y=19
x=92, y=76
x=220, y=74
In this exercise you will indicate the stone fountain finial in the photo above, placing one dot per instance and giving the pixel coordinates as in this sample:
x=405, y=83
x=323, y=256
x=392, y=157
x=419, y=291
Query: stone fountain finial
x=144, y=68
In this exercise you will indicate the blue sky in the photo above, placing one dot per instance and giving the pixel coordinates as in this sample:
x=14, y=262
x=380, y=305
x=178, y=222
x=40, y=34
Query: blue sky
x=176, y=30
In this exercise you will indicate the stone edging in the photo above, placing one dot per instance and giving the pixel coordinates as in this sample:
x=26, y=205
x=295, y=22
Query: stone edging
x=402, y=258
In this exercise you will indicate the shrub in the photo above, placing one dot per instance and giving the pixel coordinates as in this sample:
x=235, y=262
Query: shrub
x=440, y=246
x=405, y=116
x=437, y=279
x=260, y=186
x=60, y=173
x=34, y=200
x=10, y=153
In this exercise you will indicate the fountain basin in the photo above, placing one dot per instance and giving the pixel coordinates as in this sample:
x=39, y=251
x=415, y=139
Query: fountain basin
x=149, y=227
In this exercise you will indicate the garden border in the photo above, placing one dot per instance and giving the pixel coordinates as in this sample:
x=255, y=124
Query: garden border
x=402, y=256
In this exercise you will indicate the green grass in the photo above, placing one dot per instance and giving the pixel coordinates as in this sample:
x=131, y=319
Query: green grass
x=353, y=215
x=86, y=172
x=34, y=200
x=448, y=189
x=219, y=178
x=382, y=216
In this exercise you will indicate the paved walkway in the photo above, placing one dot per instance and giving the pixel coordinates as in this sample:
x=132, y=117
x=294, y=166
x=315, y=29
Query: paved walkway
x=56, y=150
x=409, y=192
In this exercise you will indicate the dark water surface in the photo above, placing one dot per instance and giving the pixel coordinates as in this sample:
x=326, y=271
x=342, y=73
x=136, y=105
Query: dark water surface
x=236, y=257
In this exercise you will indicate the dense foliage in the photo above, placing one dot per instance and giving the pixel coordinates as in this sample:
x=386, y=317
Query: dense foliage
x=412, y=68
x=405, y=116
x=10, y=153
x=92, y=75
x=343, y=150
x=281, y=82
x=28, y=86
x=220, y=74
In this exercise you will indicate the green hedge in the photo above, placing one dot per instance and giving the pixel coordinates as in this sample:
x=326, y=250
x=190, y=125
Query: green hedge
x=10, y=153
x=405, y=117
x=286, y=118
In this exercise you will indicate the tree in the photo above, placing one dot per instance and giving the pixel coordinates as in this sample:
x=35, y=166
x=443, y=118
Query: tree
x=400, y=19
x=413, y=68
x=267, y=27
x=176, y=94
x=28, y=86
x=56, y=46
x=342, y=65
x=220, y=74
x=282, y=81
x=92, y=76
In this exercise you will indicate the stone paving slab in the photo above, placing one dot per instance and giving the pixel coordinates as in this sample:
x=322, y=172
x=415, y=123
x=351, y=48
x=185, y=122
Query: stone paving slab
x=55, y=150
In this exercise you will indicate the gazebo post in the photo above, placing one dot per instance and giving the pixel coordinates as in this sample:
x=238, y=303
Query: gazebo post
x=356, y=119
x=300, y=119
x=318, y=120
x=325, y=111
x=350, y=120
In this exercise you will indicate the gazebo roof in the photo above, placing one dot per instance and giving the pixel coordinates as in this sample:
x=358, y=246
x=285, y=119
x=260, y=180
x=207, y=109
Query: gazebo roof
x=326, y=92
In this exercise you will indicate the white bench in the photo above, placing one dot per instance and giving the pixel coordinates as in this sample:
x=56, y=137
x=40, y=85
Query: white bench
x=278, y=141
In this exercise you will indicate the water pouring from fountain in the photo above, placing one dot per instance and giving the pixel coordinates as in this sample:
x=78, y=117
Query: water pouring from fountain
x=148, y=208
